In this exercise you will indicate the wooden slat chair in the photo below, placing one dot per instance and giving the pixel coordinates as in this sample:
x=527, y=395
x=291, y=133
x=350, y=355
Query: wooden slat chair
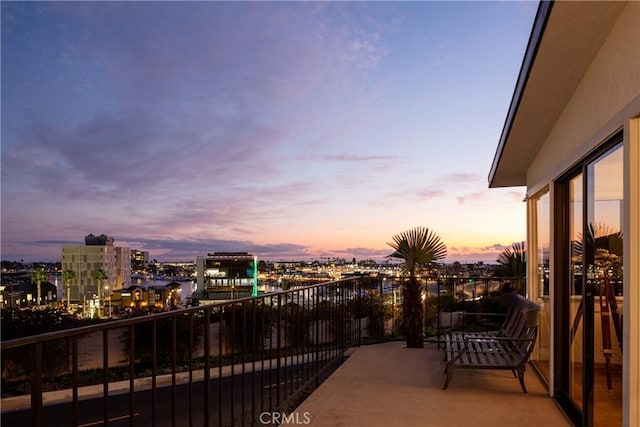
x=513, y=325
x=509, y=348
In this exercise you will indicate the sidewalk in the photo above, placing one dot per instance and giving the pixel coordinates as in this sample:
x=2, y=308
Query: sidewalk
x=387, y=384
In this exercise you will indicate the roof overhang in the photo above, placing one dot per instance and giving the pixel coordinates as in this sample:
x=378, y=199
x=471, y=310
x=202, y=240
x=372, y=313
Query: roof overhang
x=564, y=40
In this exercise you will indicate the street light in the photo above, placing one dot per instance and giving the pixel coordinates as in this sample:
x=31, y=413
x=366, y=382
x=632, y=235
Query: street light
x=106, y=289
x=84, y=301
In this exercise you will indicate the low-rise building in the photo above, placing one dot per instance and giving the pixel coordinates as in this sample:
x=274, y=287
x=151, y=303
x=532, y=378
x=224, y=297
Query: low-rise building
x=226, y=275
x=19, y=291
x=139, y=297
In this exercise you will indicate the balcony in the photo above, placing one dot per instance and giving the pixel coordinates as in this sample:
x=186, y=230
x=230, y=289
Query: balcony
x=390, y=385
x=271, y=360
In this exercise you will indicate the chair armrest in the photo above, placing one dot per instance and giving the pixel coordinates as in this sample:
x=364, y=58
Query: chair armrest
x=489, y=339
x=469, y=313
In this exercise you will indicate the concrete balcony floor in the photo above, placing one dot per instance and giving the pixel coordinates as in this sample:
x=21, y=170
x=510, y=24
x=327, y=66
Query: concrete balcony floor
x=390, y=385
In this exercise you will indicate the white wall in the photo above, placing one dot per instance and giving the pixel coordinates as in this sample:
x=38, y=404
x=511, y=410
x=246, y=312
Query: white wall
x=606, y=98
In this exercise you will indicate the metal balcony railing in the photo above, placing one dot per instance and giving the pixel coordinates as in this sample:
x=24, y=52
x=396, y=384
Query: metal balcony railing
x=231, y=363
x=226, y=363
x=450, y=303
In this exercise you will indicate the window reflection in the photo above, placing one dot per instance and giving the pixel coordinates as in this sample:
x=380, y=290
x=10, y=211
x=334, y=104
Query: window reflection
x=605, y=260
x=576, y=249
x=540, y=283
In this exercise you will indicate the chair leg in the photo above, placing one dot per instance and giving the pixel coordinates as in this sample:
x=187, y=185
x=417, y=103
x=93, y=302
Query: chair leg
x=521, y=378
x=449, y=373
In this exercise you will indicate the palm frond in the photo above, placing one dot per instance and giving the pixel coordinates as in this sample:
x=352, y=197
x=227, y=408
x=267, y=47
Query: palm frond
x=418, y=246
x=512, y=262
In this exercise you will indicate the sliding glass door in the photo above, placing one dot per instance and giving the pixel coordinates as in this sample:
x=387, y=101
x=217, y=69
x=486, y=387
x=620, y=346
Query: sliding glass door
x=591, y=357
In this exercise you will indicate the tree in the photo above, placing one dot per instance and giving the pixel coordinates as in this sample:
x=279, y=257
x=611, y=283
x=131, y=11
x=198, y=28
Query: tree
x=68, y=276
x=38, y=276
x=417, y=247
x=99, y=276
x=512, y=262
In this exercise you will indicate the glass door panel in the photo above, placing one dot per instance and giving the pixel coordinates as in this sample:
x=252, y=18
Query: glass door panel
x=576, y=249
x=604, y=211
x=540, y=285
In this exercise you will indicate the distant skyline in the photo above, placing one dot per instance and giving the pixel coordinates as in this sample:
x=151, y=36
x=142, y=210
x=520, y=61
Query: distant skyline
x=291, y=130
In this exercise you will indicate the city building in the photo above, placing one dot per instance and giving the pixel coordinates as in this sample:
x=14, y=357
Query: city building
x=17, y=290
x=98, y=253
x=226, y=275
x=572, y=137
x=138, y=297
x=139, y=261
x=123, y=267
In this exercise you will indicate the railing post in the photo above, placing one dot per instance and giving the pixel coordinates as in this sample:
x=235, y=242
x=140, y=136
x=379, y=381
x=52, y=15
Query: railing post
x=154, y=372
x=253, y=358
x=173, y=369
x=36, y=385
x=243, y=358
x=105, y=375
x=190, y=393
x=232, y=350
x=278, y=353
x=221, y=343
x=382, y=328
x=438, y=308
x=132, y=373
x=359, y=332
x=317, y=343
x=207, y=363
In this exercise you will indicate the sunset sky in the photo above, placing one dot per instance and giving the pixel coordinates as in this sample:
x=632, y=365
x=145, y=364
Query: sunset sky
x=289, y=130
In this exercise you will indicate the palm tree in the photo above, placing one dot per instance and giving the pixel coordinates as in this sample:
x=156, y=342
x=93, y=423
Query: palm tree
x=99, y=276
x=512, y=262
x=68, y=276
x=417, y=247
x=38, y=276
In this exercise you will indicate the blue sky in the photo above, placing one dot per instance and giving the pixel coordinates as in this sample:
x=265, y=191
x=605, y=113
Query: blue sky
x=287, y=129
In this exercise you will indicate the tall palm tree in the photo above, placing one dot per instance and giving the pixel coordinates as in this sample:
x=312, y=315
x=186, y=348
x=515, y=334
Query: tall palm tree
x=512, y=262
x=68, y=276
x=99, y=276
x=38, y=276
x=417, y=247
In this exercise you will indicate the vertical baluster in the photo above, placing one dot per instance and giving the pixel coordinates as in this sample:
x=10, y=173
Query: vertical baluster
x=190, y=392
x=253, y=358
x=154, y=373
x=232, y=350
x=174, y=349
x=74, y=378
x=105, y=376
x=278, y=349
x=221, y=329
x=36, y=384
x=243, y=360
x=207, y=365
x=317, y=343
x=131, y=373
